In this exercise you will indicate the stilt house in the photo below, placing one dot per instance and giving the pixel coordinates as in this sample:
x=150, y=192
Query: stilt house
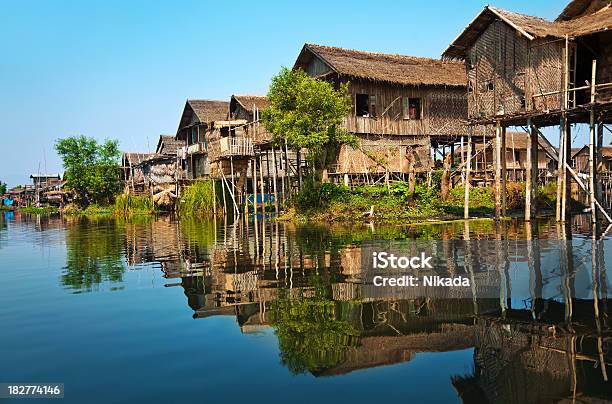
x=528, y=71
x=195, y=127
x=402, y=106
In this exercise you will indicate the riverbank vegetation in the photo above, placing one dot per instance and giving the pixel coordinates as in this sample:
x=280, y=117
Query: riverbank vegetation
x=128, y=204
x=327, y=202
x=92, y=169
x=197, y=200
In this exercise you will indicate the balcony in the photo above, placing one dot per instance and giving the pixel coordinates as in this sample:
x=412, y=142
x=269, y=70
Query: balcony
x=227, y=147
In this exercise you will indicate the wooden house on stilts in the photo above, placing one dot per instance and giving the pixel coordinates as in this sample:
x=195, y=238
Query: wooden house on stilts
x=403, y=107
x=195, y=126
x=527, y=71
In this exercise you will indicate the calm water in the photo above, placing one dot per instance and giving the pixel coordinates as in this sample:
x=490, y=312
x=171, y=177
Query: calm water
x=158, y=310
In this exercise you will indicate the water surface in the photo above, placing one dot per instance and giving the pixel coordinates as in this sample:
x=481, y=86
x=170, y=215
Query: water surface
x=160, y=310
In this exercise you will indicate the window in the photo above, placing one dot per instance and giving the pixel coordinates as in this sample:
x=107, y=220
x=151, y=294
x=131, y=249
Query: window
x=361, y=105
x=517, y=155
x=373, y=105
x=488, y=85
x=225, y=131
x=194, y=135
x=411, y=108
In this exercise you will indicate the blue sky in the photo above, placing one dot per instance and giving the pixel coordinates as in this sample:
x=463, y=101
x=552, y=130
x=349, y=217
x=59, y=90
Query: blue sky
x=123, y=69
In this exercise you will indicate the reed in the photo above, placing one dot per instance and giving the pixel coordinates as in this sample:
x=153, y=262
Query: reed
x=197, y=199
x=128, y=204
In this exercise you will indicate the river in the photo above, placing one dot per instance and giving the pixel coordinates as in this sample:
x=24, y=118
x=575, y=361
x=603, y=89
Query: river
x=154, y=309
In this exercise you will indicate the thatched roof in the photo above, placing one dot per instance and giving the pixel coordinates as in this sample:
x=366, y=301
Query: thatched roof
x=167, y=145
x=248, y=101
x=203, y=111
x=516, y=140
x=606, y=151
x=588, y=21
x=135, y=158
x=579, y=8
x=389, y=68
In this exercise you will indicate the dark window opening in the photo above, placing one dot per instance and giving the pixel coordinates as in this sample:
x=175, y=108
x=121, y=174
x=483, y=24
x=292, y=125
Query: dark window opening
x=411, y=108
x=194, y=135
x=226, y=131
x=362, y=107
x=523, y=102
x=517, y=155
x=488, y=85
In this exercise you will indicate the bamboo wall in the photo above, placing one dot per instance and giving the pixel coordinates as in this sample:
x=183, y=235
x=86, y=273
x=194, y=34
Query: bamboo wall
x=442, y=110
x=505, y=72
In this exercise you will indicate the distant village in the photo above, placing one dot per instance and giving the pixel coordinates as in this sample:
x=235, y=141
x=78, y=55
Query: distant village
x=411, y=116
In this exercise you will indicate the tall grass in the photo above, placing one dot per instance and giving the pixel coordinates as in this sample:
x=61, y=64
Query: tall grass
x=127, y=205
x=197, y=199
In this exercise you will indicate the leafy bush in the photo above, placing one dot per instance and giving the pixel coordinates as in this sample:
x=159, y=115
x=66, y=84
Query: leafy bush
x=515, y=195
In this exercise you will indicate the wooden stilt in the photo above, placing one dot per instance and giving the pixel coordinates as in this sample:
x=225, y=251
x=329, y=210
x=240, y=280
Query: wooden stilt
x=281, y=163
x=261, y=191
x=531, y=171
x=224, y=198
x=592, y=149
x=560, y=170
x=233, y=184
x=287, y=171
x=504, y=171
x=274, y=180
x=566, y=191
x=255, y=218
x=498, y=171
x=599, y=158
x=299, y=169
x=468, y=167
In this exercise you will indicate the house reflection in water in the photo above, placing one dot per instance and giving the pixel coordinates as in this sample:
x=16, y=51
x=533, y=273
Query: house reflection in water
x=534, y=342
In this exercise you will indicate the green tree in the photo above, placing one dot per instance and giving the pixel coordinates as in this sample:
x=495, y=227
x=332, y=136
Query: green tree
x=92, y=168
x=2, y=188
x=307, y=113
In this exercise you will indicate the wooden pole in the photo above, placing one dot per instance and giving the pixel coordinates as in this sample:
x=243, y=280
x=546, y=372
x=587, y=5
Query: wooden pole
x=224, y=198
x=281, y=163
x=504, y=171
x=498, y=171
x=592, y=148
x=599, y=158
x=531, y=171
x=561, y=169
x=567, y=151
x=274, y=180
x=462, y=160
x=233, y=192
x=261, y=190
x=299, y=169
x=468, y=167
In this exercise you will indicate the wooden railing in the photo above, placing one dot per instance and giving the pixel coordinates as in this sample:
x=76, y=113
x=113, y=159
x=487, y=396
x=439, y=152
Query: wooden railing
x=230, y=146
x=384, y=125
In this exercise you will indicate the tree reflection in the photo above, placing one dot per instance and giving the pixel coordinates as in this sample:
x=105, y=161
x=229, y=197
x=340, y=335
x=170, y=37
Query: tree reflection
x=93, y=253
x=313, y=331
